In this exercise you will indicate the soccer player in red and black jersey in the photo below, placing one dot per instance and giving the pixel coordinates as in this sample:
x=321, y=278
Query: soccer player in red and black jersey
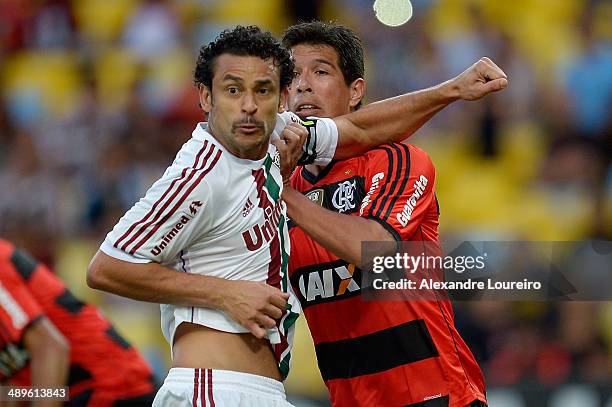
x=371, y=353
x=48, y=338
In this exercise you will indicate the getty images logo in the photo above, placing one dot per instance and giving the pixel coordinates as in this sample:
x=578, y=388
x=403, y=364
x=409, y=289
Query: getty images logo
x=184, y=219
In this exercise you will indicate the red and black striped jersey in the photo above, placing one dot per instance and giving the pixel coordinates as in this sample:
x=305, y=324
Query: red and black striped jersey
x=104, y=367
x=380, y=353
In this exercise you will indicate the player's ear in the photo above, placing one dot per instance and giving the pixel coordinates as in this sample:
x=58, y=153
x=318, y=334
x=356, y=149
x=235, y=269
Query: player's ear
x=282, y=102
x=357, y=91
x=205, y=96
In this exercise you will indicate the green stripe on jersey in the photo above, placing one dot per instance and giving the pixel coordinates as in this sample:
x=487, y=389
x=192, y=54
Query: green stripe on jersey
x=283, y=365
x=284, y=255
x=271, y=184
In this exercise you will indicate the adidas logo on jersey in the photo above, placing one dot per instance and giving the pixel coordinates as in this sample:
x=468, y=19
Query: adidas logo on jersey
x=318, y=285
x=419, y=187
x=248, y=206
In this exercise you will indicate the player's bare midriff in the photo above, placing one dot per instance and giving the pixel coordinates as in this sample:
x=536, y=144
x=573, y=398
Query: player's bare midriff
x=200, y=347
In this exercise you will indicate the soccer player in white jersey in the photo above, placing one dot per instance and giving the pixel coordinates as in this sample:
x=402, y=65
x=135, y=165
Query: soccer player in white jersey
x=209, y=239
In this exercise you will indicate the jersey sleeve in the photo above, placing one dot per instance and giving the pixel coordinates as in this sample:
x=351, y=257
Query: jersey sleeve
x=320, y=146
x=18, y=307
x=172, y=215
x=400, y=188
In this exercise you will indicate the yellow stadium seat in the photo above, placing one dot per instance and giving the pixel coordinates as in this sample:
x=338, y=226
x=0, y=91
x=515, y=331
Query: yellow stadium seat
x=102, y=20
x=116, y=71
x=268, y=14
x=53, y=75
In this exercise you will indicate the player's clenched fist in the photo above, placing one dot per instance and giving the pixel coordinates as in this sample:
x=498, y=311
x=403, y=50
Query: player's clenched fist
x=479, y=80
x=254, y=305
x=289, y=147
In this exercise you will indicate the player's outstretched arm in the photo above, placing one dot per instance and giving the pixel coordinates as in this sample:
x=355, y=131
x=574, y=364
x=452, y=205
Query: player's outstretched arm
x=397, y=118
x=252, y=304
x=50, y=358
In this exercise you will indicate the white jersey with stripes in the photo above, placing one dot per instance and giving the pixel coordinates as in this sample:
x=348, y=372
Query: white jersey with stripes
x=215, y=214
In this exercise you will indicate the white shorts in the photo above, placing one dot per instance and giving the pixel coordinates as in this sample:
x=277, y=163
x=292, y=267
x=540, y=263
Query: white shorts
x=219, y=388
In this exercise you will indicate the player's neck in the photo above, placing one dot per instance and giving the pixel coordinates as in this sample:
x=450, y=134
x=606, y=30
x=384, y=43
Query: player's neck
x=315, y=169
x=253, y=153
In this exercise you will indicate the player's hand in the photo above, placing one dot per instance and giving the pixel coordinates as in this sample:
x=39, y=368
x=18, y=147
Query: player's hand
x=289, y=146
x=254, y=305
x=479, y=80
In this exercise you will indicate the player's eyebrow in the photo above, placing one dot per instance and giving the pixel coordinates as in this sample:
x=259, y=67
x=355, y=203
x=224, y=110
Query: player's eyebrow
x=264, y=82
x=325, y=62
x=230, y=77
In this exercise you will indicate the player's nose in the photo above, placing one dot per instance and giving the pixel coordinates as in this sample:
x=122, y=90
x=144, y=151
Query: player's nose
x=248, y=103
x=302, y=83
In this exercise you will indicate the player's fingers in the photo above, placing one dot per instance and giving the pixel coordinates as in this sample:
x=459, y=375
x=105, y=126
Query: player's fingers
x=495, y=85
x=290, y=137
x=495, y=73
x=279, y=300
x=294, y=133
x=273, y=312
x=298, y=130
x=488, y=70
x=255, y=329
x=266, y=322
x=494, y=67
x=281, y=146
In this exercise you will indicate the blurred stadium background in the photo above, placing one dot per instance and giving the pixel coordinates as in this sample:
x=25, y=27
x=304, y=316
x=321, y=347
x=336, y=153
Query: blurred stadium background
x=96, y=96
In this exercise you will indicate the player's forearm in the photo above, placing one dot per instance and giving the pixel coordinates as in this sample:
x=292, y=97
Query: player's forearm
x=391, y=120
x=340, y=234
x=153, y=282
x=50, y=359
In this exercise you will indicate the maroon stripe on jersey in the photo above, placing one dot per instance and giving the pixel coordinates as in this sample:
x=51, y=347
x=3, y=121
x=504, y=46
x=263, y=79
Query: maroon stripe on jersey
x=210, y=388
x=273, y=278
x=275, y=262
x=166, y=192
x=196, y=381
x=192, y=173
x=279, y=348
x=177, y=205
x=377, y=202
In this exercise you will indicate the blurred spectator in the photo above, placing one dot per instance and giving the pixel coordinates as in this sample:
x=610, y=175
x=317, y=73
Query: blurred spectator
x=13, y=24
x=152, y=30
x=588, y=81
x=52, y=24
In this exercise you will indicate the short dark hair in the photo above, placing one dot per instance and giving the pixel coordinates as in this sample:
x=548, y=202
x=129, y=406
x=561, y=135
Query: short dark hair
x=243, y=41
x=344, y=40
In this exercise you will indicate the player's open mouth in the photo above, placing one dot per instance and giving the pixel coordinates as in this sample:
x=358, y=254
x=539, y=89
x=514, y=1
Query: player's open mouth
x=307, y=107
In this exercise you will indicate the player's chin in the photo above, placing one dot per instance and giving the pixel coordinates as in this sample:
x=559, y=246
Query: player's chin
x=252, y=141
x=249, y=136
